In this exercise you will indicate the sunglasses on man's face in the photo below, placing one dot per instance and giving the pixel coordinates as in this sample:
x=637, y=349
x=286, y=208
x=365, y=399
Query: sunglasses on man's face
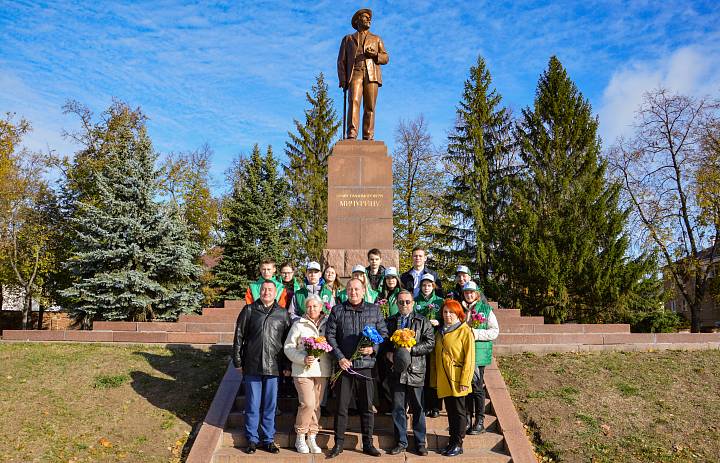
x=404, y=302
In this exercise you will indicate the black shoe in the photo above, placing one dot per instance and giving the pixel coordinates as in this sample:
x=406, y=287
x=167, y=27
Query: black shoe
x=337, y=450
x=446, y=449
x=422, y=451
x=432, y=413
x=453, y=452
x=372, y=451
x=476, y=428
x=271, y=447
x=250, y=449
x=397, y=450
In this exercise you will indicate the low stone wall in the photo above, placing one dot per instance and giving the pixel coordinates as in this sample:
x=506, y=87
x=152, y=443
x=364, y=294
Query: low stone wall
x=12, y=320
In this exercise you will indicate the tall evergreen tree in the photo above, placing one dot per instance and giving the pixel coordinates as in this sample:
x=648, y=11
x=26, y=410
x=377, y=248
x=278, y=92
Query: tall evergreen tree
x=567, y=254
x=479, y=162
x=308, y=153
x=132, y=259
x=255, y=223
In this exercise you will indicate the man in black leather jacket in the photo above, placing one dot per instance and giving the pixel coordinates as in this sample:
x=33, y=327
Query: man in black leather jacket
x=407, y=386
x=260, y=335
x=343, y=331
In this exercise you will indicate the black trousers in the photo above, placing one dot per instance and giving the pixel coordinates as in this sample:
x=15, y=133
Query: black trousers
x=430, y=398
x=457, y=419
x=476, y=398
x=362, y=389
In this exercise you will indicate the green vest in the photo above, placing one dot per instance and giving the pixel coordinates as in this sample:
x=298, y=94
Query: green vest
x=392, y=302
x=302, y=294
x=422, y=305
x=255, y=288
x=483, y=349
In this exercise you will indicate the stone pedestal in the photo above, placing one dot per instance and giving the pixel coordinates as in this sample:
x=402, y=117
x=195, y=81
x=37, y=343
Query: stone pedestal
x=359, y=205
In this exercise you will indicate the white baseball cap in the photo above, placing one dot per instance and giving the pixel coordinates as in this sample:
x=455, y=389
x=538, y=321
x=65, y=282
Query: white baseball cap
x=470, y=286
x=313, y=266
x=391, y=272
x=358, y=268
x=429, y=277
x=462, y=269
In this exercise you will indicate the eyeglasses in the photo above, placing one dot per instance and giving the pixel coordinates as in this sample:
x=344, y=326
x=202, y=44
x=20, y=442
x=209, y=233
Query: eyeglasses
x=404, y=302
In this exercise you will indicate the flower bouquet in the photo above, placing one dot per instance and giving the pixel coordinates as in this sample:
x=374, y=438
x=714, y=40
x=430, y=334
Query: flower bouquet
x=316, y=347
x=368, y=338
x=476, y=319
x=403, y=339
x=384, y=307
x=432, y=311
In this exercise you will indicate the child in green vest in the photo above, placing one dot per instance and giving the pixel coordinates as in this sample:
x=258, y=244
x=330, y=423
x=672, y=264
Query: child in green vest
x=427, y=303
x=390, y=290
x=314, y=286
x=482, y=320
x=267, y=272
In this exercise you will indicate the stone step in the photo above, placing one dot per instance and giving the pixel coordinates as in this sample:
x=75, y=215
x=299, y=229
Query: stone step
x=286, y=422
x=234, y=303
x=290, y=405
x=181, y=326
x=566, y=328
x=235, y=437
x=470, y=455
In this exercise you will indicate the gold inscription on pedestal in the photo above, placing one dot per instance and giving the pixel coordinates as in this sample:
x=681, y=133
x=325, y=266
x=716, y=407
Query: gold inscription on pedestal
x=360, y=199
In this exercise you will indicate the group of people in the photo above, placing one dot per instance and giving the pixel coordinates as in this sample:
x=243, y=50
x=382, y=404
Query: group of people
x=453, y=337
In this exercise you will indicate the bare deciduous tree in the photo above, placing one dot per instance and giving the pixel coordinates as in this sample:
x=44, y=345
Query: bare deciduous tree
x=667, y=174
x=417, y=181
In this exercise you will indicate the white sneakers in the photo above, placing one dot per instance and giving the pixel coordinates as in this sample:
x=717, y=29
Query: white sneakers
x=300, y=444
x=312, y=445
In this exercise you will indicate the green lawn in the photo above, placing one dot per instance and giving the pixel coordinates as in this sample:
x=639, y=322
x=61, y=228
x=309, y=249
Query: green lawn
x=618, y=406
x=102, y=403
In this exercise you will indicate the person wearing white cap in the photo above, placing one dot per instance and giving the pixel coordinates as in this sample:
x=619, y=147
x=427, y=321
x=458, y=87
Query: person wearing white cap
x=427, y=303
x=312, y=286
x=358, y=272
x=390, y=290
x=475, y=303
x=462, y=276
x=411, y=279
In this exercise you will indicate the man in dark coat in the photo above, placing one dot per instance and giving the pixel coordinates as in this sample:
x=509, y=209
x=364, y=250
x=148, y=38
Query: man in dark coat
x=344, y=331
x=410, y=280
x=407, y=385
x=260, y=334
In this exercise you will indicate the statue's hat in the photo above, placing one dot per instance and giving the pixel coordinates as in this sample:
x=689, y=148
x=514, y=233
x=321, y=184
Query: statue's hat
x=357, y=15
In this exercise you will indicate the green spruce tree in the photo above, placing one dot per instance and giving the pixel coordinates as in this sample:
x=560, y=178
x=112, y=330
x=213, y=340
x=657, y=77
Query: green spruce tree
x=308, y=151
x=567, y=249
x=132, y=259
x=479, y=162
x=255, y=224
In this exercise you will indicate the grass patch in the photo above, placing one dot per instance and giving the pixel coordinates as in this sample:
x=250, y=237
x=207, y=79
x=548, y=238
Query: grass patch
x=103, y=403
x=110, y=381
x=619, y=406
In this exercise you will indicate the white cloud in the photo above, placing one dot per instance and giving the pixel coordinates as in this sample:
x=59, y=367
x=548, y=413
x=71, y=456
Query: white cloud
x=691, y=70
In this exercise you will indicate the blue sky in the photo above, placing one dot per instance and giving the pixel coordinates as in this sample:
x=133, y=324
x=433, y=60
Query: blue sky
x=235, y=73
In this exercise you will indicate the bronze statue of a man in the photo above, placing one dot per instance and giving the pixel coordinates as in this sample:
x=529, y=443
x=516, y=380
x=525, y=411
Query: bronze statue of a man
x=358, y=65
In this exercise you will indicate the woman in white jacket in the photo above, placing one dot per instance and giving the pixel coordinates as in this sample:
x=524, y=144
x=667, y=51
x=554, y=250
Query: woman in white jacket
x=310, y=374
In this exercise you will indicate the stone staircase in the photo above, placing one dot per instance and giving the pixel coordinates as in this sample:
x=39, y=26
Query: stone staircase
x=488, y=447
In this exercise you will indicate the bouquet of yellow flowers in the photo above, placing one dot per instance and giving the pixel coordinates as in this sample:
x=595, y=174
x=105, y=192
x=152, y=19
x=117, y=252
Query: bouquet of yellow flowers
x=403, y=338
